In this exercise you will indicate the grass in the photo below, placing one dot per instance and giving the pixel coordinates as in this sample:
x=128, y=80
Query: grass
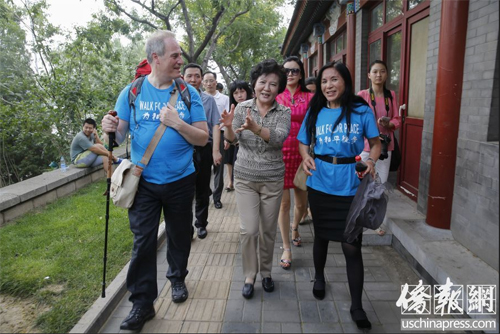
x=55, y=255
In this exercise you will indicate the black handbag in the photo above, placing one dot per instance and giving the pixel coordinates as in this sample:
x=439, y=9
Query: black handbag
x=396, y=157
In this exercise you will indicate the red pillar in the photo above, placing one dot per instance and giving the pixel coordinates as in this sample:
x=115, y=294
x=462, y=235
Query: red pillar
x=351, y=40
x=452, y=38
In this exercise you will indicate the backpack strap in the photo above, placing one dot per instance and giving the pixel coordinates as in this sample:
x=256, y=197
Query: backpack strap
x=184, y=91
x=133, y=92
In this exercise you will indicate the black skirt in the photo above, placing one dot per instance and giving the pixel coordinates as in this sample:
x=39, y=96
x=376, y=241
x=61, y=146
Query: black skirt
x=329, y=214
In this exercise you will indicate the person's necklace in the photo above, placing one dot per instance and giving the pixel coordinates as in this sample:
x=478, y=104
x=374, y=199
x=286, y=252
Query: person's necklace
x=292, y=100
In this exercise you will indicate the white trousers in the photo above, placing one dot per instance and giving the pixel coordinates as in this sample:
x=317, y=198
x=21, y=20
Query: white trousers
x=382, y=166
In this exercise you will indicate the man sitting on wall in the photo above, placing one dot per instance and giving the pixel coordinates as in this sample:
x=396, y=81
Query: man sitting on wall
x=87, y=150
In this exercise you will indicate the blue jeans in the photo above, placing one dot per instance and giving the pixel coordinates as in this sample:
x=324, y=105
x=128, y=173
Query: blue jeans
x=175, y=199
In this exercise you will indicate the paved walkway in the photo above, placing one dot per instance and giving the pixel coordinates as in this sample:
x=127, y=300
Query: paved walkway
x=215, y=281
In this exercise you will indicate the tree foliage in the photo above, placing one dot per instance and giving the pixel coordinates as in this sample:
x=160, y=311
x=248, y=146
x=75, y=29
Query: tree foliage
x=235, y=34
x=49, y=87
x=52, y=87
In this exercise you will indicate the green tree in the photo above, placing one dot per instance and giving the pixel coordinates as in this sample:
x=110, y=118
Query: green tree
x=236, y=34
x=46, y=100
x=249, y=41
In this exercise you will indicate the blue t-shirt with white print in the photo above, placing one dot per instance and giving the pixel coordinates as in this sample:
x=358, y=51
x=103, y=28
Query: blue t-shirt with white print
x=173, y=157
x=339, y=180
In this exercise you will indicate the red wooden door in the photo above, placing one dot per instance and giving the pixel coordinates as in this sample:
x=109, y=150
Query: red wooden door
x=415, y=58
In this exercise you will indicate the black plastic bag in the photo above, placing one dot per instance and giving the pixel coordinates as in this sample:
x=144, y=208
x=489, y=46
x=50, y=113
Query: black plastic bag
x=368, y=208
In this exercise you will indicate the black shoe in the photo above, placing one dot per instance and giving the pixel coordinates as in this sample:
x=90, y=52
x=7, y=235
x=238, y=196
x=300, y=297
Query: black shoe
x=247, y=290
x=202, y=232
x=137, y=317
x=179, y=292
x=360, y=318
x=319, y=289
x=218, y=204
x=268, y=284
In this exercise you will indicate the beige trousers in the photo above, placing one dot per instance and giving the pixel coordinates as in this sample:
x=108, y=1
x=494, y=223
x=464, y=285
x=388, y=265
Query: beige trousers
x=258, y=205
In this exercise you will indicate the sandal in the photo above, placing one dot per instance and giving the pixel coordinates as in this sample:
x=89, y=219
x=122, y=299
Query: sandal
x=297, y=242
x=228, y=189
x=285, y=263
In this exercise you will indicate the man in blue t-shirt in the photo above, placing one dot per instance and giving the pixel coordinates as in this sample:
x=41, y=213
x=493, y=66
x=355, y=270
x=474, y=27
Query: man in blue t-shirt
x=167, y=182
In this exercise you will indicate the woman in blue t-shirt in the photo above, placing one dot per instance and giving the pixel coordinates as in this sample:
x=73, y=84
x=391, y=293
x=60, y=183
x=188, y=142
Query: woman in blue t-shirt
x=337, y=122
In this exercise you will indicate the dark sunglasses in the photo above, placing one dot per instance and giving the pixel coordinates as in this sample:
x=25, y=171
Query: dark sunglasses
x=294, y=71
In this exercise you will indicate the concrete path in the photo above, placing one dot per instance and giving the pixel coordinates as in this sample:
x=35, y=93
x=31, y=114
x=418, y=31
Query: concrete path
x=215, y=281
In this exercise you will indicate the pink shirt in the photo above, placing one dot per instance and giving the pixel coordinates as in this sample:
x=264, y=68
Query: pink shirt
x=380, y=112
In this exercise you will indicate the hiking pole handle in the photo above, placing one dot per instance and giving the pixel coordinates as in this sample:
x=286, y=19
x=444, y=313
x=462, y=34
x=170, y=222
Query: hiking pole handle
x=111, y=140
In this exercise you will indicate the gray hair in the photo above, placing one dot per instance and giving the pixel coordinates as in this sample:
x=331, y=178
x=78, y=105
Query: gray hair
x=156, y=43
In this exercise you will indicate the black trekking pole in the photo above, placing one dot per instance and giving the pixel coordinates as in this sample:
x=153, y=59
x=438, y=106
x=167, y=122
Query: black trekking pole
x=111, y=141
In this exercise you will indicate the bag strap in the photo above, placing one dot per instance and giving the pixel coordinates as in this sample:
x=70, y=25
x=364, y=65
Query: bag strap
x=386, y=100
x=159, y=132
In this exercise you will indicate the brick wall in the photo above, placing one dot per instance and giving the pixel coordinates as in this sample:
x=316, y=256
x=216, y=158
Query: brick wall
x=475, y=217
x=430, y=103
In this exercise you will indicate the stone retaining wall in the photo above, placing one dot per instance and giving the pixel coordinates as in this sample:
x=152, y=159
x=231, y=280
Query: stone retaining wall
x=19, y=198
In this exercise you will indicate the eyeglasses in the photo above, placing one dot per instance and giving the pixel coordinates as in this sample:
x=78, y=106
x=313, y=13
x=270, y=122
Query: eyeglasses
x=209, y=81
x=294, y=71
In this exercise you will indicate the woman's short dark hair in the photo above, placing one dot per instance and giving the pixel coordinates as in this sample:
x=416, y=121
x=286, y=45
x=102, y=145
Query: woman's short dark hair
x=239, y=84
x=269, y=66
x=302, y=81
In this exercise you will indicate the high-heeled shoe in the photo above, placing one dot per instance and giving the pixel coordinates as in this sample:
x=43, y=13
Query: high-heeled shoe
x=297, y=242
x=319, y=290
x=284, y=262
x=360, y=318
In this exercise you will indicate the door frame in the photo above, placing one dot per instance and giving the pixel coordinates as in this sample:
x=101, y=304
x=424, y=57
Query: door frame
x=401, y=23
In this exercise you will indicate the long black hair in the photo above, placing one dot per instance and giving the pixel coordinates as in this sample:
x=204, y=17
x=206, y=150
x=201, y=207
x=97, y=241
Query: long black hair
x=348, y=100
x=239, y=84
x=387, y=93
x=302, y=80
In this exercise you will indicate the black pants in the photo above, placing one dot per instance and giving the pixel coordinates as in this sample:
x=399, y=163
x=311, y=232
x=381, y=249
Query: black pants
x=176, y=200
x=203, y=160
x=219, y=172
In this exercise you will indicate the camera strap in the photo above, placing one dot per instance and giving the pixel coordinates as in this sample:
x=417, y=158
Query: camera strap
x=386, y=100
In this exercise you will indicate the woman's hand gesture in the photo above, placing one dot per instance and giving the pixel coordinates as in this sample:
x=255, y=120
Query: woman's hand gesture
x=226, y=118
x=308, y=165
x=249, y=124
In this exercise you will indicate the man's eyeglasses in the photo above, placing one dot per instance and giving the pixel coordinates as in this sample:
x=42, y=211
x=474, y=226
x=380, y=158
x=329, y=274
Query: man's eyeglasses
x=294, y=71
x=209, y=81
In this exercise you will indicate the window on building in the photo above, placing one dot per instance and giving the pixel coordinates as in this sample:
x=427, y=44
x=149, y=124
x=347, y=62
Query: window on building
x=377, y=17
x=394, y=60
x=393, y=9
x=375, y=51
x=387, y=11
x=336, y=47
x=414, y=3
x=313, y=65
